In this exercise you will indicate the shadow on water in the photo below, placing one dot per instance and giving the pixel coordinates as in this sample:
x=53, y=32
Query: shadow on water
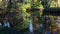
x=52, y=11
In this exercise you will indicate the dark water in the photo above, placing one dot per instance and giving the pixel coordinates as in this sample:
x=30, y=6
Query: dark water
x=9, y=31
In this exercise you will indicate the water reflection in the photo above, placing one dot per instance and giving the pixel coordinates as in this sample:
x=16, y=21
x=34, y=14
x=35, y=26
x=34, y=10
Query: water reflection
x=31, y=26
x=7, y=24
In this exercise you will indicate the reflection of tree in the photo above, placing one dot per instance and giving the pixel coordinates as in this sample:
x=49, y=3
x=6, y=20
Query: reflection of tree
x=46, y=3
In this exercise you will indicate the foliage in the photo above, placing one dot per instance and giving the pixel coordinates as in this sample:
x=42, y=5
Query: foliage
x=22, y=16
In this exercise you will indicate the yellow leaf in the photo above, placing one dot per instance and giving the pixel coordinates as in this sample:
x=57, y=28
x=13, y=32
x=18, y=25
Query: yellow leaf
x=40, y=6
x=35, y=0
x=28, y=5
